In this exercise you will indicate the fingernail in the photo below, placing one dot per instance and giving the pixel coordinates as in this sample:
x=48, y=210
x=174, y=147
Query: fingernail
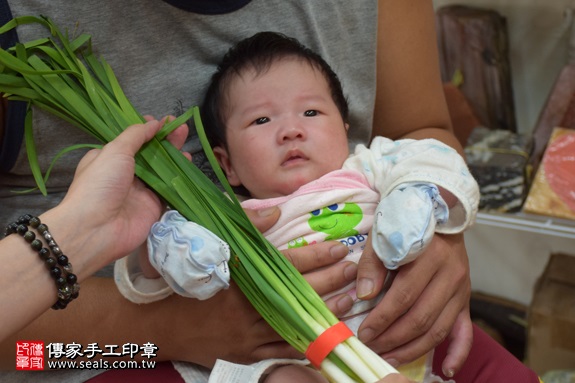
x=448, y=373
x=366, y=335
x=267, y=212
x=344, y=304
x=393, y=362
x=350, y=271
x=364, y=287
x=338, y=251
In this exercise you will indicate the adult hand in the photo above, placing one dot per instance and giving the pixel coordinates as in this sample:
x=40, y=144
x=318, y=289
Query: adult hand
x=106, y=200
x=226, y=326
x=319, y=263
x=427, y=302
x=229, y=327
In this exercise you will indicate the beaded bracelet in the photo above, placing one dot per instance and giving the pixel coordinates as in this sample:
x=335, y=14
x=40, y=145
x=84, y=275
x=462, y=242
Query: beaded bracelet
x=57, y=263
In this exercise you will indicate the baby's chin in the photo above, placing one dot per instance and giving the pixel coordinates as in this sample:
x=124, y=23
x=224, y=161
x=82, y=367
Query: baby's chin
x=295, y=184
x=285, y=188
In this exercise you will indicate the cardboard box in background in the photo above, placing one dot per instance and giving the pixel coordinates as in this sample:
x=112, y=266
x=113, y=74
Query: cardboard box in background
x=551, y=317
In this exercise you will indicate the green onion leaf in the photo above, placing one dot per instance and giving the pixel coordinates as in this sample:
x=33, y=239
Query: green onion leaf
x=66, y=79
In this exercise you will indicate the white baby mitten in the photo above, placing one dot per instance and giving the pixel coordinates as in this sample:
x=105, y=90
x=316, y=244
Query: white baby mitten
x=133, y=284
x=192, y=259
x=405, y=222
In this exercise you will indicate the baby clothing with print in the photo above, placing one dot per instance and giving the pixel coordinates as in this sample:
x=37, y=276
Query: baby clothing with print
x=392, y=187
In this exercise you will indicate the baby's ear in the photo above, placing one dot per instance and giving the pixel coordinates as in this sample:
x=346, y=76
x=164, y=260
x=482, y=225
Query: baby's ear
x=224, y=160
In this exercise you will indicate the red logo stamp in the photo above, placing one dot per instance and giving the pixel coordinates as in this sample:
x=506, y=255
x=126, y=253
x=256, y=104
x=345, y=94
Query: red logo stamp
x=29, y=355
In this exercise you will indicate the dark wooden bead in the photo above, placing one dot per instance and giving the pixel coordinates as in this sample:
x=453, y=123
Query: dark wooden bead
x=55, y=272
x=50, y=262
x=71, y=278
x=29, y=236
x=22, y=229
x=57, y=263
x=62, y=260
x=24, y=219
x=36, y=245
x=44, y=253
x=11, y=228
x=35, y=222
x=42, y=228
x=59, y=305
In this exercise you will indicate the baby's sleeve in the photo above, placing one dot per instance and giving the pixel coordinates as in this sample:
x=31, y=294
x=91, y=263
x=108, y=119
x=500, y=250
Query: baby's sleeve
x=387, y=164
x=191, y=260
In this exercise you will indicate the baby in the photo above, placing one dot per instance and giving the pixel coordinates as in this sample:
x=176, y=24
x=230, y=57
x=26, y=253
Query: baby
x=277, y=117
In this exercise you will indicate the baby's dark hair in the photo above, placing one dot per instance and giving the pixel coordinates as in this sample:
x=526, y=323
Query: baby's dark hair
x=259, y=52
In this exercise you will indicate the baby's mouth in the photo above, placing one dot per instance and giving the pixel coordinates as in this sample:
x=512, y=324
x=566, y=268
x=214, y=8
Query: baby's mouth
x=294, y=157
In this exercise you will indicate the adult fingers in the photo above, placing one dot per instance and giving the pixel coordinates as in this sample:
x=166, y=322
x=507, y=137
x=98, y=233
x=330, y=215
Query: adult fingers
x=339, y=304
x=460, y=342
x=321, y=267
x=411, y=350
x=332, y=278
x=313, y=262
x=420, y=291
x=263, y=219
x=120, y=152
x=370, y=273
x=313, y=257
x=276, y=350
x=441, y=310
x=305, y=258
x=90, y=156
x=406, y=288
x=179, y=135
x=132, y=139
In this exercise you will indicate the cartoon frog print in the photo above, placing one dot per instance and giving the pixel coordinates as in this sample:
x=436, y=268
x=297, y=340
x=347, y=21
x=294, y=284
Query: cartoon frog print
x=337, y=220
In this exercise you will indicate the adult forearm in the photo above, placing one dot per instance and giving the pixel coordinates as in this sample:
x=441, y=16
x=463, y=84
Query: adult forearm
x=29, y=288
x=19, y=305
x=100, y=315
x=443, y=135
x=225, y=326
x=409, y=99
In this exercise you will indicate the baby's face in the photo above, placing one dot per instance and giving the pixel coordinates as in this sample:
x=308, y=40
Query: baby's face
x=283, y=129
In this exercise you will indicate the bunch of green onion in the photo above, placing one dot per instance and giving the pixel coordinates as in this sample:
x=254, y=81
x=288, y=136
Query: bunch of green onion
x=66, y=79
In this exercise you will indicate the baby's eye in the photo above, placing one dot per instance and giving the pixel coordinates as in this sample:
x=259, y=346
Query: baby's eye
x=261, y=120
x=310, y=113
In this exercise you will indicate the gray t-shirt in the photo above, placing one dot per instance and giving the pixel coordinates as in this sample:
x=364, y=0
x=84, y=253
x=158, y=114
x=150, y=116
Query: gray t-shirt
x=164, y=57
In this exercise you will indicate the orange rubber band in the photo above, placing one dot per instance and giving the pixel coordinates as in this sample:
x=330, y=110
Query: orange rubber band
x=320, y=348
